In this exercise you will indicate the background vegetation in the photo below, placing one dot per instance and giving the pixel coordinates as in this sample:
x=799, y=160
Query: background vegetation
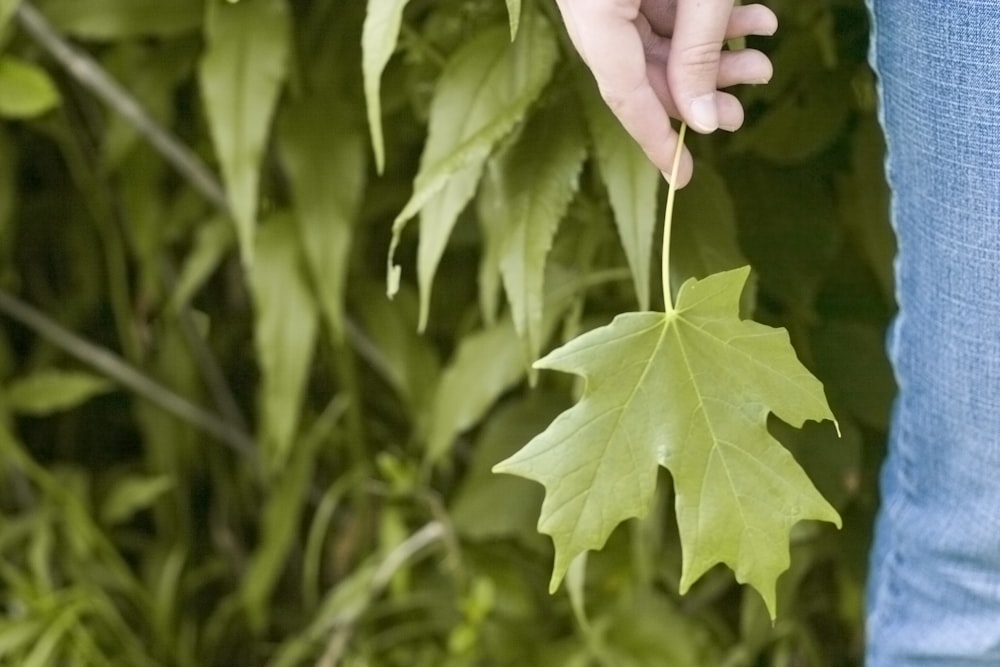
x=220, y=444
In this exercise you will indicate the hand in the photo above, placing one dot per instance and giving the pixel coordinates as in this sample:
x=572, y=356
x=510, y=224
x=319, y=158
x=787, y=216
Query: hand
x=653, y=59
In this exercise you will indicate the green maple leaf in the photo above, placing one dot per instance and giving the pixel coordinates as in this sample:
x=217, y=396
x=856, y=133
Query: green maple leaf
x=691, y=390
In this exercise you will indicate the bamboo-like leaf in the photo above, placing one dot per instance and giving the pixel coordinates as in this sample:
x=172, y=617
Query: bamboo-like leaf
x=284, y=334
x=26, y=90
x=378, y=42
x=487, y=364
x=323, y=151
x=632, y=183
x=514, y=14
x=541, y=176
x=483, y=92
x=241, y=75
x=133, y=494
x=121, y=19
x=47, y=391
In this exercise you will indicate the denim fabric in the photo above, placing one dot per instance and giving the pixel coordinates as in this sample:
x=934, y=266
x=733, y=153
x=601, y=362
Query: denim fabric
x=934, y=588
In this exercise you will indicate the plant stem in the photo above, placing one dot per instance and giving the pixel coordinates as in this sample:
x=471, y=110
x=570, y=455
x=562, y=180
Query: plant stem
x=119, y=370
x=94, y=78
x=668, y=219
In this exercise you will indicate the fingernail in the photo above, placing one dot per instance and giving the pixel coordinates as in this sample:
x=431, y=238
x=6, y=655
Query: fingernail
x=704, y=117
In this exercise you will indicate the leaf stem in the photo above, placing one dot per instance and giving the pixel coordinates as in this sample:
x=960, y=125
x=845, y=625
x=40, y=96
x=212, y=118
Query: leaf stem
x=668, y=219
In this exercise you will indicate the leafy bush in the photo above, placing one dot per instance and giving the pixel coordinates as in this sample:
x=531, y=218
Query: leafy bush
x=222, y=444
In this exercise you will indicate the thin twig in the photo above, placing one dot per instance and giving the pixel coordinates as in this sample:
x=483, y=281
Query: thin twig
x=93, y=77
x=117, y=369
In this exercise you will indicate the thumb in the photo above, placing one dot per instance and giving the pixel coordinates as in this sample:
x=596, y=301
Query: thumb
x=693, y=66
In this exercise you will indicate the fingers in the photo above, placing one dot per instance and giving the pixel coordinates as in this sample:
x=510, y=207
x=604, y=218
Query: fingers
x=695, y=54
x=605, y=33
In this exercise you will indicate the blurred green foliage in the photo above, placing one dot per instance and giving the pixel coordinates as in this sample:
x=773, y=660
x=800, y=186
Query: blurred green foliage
x=220, y=444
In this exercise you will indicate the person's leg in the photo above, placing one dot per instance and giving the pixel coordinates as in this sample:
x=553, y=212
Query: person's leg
x=934, y=588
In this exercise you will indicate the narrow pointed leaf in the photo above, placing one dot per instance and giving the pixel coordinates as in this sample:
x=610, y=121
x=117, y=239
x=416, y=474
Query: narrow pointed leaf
x=122, y=19
x=514, y=14
x=632, y=184
x=378, y=42
x=485, y=89
x=47, y=391
x=26, y=91
x=323, y=151
x=690, y=390
x=541, y=175
x=241, y=75
x=284, y=334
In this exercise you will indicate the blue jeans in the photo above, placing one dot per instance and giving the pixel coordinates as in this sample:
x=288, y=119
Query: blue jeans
x=934, y=588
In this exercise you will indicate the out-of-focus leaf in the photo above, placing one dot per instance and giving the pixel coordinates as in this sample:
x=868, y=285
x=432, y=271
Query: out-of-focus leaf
x=832, y=461
x=487, y=364
x=286, y=324
x=47, y=391
x=788, y=228
x=212, y=241
x=281, y=520
x=540, y=177
x=119, y=19
x=473, y=510
x=809, y=113
x=852, y=358
x=632, y=183
x=485, y=89
x=651, y=632
x=704, y=239
x=323, y=151
x=241, y=75
x=26, y=91
x=378, y=42
x=410, y=363
x=863, y=203
x=133, y=494
x=7, y=8
x=514, y=14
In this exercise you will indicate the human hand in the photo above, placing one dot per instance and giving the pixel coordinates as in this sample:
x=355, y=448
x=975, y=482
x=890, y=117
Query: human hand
x=653, y=59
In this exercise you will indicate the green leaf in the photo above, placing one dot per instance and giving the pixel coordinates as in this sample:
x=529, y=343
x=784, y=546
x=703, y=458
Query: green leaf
x=241, y=75
x=281, y=516
x=514, y=14
x=285, y=332
x=121, y=19
x=26, y=91
x=47, y=391
x=7, y=9
x=473, y=509
x=487, y=364
x=689, y=390
x=485, y=89
x=378, y=42
x=212, y=240
x=133, y=494
x=632, y=183
x=540, y=177
x=323, y=151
